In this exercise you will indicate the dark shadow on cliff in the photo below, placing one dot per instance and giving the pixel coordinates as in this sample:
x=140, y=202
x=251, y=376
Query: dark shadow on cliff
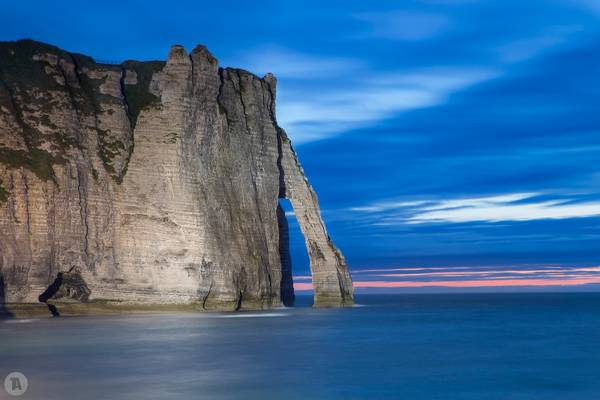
x=4, y=313
x=51, y=291
x=287, y=284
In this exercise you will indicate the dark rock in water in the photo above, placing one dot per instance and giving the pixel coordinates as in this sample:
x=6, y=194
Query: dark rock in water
x=4, y=313
x=161, y=180
x=67, y=286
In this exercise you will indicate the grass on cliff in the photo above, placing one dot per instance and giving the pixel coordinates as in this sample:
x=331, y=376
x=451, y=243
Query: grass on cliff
x=17, y=65
x=37, y=161
x=20, y=77
x=25, y=88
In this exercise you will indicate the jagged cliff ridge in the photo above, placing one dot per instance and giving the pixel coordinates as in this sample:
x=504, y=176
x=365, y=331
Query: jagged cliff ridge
x=158, y=181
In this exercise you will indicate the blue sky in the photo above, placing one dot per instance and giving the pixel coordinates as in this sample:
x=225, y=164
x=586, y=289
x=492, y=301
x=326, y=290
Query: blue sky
x=436, y=133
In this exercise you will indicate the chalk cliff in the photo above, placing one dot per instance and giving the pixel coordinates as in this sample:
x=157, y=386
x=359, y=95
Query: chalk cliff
x=155, y=182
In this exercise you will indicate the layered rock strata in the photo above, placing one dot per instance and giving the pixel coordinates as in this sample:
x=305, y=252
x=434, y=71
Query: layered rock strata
x=158, y=181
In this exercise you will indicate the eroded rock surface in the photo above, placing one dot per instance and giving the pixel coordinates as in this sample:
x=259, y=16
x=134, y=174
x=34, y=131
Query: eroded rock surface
x=159, y=180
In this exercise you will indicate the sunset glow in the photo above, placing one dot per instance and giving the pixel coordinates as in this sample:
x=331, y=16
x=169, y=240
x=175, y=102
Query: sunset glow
x=465, y=278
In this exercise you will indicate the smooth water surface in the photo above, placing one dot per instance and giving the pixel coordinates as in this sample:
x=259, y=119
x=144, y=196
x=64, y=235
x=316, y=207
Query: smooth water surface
x=456, y=346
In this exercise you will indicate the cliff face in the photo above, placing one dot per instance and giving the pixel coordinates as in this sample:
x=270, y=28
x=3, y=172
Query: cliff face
x=157, y=181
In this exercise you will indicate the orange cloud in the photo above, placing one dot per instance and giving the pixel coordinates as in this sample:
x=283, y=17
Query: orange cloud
x=489, y=277
x=299, y=287
x=467, y=283
x=482, y=283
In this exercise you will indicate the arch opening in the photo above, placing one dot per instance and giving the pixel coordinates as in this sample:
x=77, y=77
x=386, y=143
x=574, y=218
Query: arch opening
x=294, y=255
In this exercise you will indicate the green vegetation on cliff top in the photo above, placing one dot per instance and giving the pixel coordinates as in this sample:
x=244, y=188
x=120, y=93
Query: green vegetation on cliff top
x=37, y=161
x=17, y=65
x=26, y=83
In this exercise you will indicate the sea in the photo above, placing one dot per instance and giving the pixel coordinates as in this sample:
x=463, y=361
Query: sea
x=506, y=346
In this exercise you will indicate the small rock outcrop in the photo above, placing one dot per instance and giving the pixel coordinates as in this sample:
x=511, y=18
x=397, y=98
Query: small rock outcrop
x=159, y=180
x=68, y=286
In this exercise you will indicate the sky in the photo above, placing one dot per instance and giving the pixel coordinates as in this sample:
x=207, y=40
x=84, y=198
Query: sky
x=448, y=140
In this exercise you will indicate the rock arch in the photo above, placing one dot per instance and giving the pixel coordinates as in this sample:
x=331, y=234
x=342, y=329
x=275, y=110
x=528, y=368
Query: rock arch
x=331, y=278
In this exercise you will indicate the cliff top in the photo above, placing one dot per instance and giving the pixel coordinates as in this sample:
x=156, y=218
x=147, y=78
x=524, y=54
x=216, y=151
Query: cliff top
x=19, y=53
x=32, y=72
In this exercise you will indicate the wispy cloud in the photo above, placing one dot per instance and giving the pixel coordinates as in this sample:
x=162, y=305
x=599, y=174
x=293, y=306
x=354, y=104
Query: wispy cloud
x=287, y=63
x=471, y=277
x=507, y=207
x=591, y=5
x=494, y=210
x=384, y=206
x=529, y=47
x=321, y=96
x=492, y=272
x=403, y=25
x=311, y=114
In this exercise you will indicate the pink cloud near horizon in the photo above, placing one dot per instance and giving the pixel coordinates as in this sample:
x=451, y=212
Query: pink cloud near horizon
x=552, y=276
